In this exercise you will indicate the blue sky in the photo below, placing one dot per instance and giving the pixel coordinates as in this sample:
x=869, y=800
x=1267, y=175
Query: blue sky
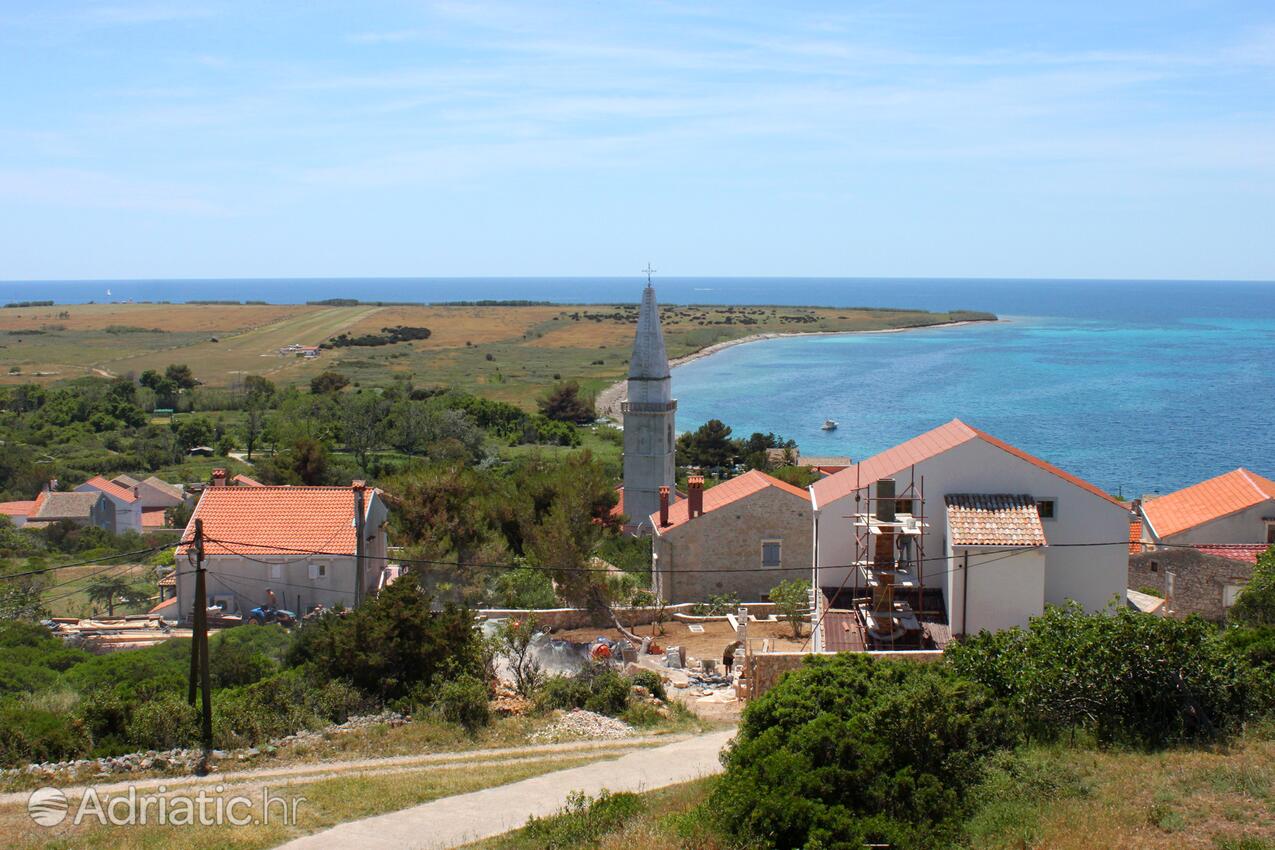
x=207, y=139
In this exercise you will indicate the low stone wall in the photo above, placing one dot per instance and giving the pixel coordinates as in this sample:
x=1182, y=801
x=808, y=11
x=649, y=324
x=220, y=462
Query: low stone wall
x=766, y=668
x=580, y=618
x=1199, y=582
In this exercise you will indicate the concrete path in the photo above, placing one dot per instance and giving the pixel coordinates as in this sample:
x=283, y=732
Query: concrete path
x=455, y=821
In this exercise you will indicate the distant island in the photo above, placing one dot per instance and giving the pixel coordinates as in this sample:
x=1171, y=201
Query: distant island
x=505, y=350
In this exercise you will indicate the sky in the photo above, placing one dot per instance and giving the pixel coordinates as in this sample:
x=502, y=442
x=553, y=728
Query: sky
x=203, y=139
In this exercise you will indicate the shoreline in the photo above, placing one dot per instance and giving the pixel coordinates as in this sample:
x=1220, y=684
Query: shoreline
x=607, y=402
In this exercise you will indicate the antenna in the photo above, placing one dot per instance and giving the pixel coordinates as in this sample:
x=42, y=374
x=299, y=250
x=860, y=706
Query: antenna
x=648, y=271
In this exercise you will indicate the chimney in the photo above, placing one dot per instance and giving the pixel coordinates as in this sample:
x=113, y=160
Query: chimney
x=885, y=500
x=695, y=495
x=51, y=486
x=358, y=484
x=663, y=506
x=137, y=492
x=219, y=478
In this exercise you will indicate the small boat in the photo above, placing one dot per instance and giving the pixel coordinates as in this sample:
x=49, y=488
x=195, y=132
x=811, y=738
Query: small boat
x=829, y=424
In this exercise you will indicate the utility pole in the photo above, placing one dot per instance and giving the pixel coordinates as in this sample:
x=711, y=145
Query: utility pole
x=199, y=651
x=359, y=542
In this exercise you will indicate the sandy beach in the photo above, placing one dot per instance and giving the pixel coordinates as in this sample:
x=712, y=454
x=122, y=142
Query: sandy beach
x=608, y=401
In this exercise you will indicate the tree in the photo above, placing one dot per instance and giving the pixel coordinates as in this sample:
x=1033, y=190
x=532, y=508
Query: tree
x=110, y=589
x=515, y=641
x=1255, y=605
x=363, y=426
x=180, y=374
x=709, y=446
x=328, y=382
x=440, y=510
x=564, y=403
x=22, y=602
x=193, y=431
x=259, y=386
x=304, y=462
x=792, y=603
x=254, y=421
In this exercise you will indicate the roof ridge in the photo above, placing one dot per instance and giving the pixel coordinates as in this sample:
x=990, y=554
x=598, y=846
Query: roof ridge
x=1249, y=475
x=1045, y=465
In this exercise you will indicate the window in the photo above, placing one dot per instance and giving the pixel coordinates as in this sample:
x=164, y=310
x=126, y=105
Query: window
x=1229, y=594
x=1155, y=566
x=276, y=570
x=318, y=571
x=1270, y=532
x=1047, y=508
x=770, y=553
x=903, y=506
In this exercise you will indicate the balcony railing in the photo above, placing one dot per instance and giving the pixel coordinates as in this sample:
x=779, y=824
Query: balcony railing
x=648, y=406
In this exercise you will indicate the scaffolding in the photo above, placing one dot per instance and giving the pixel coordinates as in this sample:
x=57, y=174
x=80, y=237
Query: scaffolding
x=889, y=562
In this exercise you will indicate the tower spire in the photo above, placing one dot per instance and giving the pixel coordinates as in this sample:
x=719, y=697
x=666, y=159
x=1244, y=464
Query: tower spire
x=648, y=271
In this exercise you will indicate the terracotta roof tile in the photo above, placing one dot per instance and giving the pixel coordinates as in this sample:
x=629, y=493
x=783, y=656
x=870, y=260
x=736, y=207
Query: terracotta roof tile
x=993, y=519
x=1246, y=552
x=273, y=520
x=154, y=518
x=17, y=508
x=245, y=481
x=1226, y=494
x=1135, y=536
x=110, y=488
x=923, y=447
x=726, y=493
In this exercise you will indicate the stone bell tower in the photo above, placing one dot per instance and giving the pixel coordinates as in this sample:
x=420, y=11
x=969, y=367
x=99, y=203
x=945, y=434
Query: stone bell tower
x=649, y=435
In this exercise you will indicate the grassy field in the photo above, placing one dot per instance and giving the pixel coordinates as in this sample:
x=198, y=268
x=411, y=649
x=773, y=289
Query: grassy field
x=1055, y=798
x=502, y=352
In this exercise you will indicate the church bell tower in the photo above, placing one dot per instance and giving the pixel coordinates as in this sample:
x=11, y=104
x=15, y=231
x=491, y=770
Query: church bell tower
x=648, y=412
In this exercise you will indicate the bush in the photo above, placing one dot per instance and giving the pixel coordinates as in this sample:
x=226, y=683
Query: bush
x=1126, y=677
x=464, y=701
x=584, y=821
x=31, y=734
x=847, y=751
x=596, y=688
x=391, y=643
x=163, y=723
x=650, y=680
x=1255, y=605
x=243, y=656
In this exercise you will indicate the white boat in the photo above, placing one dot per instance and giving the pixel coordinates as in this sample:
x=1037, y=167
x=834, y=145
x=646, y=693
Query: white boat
x=829, y=424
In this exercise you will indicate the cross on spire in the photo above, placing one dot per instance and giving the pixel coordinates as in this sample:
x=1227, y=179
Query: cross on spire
x=648, y=271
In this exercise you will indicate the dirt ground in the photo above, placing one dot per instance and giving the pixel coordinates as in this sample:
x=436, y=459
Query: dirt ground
x=717, y=634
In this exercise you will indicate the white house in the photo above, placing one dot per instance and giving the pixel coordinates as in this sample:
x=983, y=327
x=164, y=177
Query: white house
x=127, y=502
x=990, y=526
x=1235, y=507
x=155, y=493
x=297, y=542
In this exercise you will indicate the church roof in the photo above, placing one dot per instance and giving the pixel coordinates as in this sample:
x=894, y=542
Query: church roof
x=649, y=359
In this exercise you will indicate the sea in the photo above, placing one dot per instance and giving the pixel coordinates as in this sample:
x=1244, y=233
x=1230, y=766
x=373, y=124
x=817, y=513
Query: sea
x=1137, y=386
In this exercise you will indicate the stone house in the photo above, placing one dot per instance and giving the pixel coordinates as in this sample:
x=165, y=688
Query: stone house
x=297, y=542
x=743, y=536
x=89, y=508
x=127, y=502
x=1201, y=579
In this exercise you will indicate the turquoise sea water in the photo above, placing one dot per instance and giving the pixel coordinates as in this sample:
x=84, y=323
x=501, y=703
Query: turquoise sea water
x=1138, y=386
x=1132, y=406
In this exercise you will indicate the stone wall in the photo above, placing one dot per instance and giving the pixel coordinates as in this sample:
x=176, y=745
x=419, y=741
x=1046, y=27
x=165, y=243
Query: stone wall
x=579, y=618
x=697, y=560
x=1199, y=579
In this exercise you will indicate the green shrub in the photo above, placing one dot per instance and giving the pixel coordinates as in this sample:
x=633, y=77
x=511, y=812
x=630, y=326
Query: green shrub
x=650, y=680
x=21, y=677
x=463, y=701
x=30, y=734
x=391, y=643
x=583, y=821
x=847, y=751
x=105, y=714
x=243, y=656
x=163, y=723
x=1255, y=605
x=1126, y=677
x=596, y=688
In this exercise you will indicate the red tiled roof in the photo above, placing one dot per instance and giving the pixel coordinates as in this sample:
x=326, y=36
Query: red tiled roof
x=728, y=492
x=154, y=518
x=274, y=520
x=923, y=447
x=1226, y=494
x=17, y=508
x=245, y=481
x=110, y=488
x=1248, y=553
x=162, y=608
x=986, y=519
x=1135, y=536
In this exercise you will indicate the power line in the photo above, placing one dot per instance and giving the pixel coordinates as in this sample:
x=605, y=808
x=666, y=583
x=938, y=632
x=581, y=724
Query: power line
x=92, y=561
